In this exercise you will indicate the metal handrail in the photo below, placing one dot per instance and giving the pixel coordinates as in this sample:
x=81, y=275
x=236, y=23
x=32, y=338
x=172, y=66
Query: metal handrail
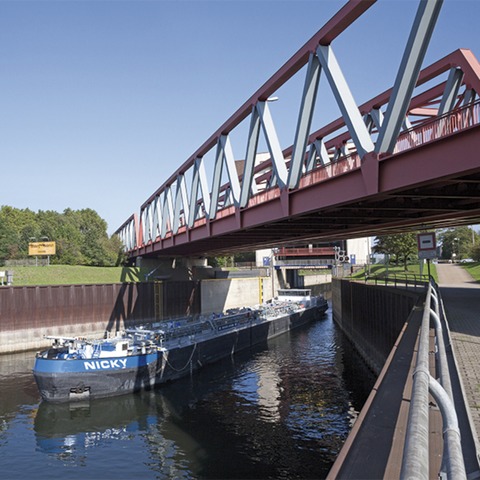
x=451, y=122
x=399, y=279
x=415, y=463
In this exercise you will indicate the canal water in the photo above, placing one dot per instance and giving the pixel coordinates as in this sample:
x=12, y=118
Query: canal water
x=281, y=412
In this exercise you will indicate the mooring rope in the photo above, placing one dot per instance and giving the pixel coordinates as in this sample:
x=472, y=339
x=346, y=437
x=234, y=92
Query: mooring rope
x=186, y=365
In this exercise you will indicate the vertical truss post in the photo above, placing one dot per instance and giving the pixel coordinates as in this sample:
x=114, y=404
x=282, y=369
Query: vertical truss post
x=199, y=180
x=452, y=87
x=181, y=202
x=217, y=177
x=146, y=234
x=149, y=222
x=408, y=72
x=248, y=185
x=309, y=97
x=278, y=160
x=224, y=154
x=231, y=169
x=469, y=97
x=377, y=117
x=317, y=149
x=138, y=230
x=157, y=216
x=345, y=101
x=143, y=226
x=167, y=211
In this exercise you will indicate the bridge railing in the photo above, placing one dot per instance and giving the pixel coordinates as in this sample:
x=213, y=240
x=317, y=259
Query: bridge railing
x=415, y=463
x=304, y=252
x=399, y=280
x=318, y=262
x=442, y=126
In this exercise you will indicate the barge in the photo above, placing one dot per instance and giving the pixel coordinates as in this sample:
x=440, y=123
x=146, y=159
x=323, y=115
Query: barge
x=144, y=357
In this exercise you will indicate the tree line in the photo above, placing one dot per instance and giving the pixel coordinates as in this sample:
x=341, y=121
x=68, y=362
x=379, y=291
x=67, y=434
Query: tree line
x=80, y=235
x=454, y=244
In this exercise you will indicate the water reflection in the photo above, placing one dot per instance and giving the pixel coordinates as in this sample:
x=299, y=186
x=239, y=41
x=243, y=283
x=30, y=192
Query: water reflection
x=93, y=423
x=281, y=412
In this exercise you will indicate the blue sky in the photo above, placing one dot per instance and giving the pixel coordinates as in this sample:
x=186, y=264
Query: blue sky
x=100, y=101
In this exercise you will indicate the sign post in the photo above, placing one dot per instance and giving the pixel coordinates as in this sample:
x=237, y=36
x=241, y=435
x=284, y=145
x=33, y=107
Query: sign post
x=42, y=248
x=427, y=247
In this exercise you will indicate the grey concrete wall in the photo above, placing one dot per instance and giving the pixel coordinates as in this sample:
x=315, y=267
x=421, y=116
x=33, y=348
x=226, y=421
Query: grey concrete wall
x=221, y=294
x=318, y=279
x=13, y=341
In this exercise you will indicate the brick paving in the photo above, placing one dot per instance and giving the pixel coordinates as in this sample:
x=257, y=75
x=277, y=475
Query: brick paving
x=461, y=298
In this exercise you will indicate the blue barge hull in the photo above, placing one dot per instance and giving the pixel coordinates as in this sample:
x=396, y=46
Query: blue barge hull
x=71, y=380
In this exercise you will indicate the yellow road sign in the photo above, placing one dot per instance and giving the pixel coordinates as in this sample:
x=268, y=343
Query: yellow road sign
x=41, y=248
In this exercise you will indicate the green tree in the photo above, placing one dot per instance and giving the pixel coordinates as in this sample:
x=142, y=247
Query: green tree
x=221, y=262
x=457, y=242
x=244, y=257
x=475, y=252
x=402, y=247
x=16, y=229
x=80, y=235
x=114, y=250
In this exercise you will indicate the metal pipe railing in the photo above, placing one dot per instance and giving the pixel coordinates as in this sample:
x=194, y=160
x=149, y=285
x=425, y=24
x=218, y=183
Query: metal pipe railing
x=452, y=455
x=399, y=280
x=443, y=370
x=415, y=464
x=415, y=454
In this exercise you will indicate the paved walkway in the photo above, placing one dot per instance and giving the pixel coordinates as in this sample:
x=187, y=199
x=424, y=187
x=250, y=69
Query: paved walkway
x=461, y=298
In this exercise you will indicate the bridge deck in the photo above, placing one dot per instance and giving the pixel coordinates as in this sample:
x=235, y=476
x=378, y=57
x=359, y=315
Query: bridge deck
x=374, y=448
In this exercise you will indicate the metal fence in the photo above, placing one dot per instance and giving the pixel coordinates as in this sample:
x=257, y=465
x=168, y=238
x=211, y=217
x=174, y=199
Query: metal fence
x=399, y=280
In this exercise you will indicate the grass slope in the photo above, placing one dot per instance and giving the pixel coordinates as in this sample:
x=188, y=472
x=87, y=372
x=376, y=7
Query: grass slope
x=74, y=275
x=399, y=271
x=473, y=269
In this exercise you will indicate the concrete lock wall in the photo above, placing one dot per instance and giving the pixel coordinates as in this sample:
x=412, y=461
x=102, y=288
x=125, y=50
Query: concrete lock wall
x=371, y=317
x=28, y=314
x=222, y=294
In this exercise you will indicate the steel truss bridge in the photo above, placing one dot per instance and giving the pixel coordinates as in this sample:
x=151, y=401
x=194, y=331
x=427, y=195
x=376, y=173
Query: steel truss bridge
x=405, y=160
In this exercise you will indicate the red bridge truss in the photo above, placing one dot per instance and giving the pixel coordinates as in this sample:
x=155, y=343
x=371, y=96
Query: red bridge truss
x=407, y=159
